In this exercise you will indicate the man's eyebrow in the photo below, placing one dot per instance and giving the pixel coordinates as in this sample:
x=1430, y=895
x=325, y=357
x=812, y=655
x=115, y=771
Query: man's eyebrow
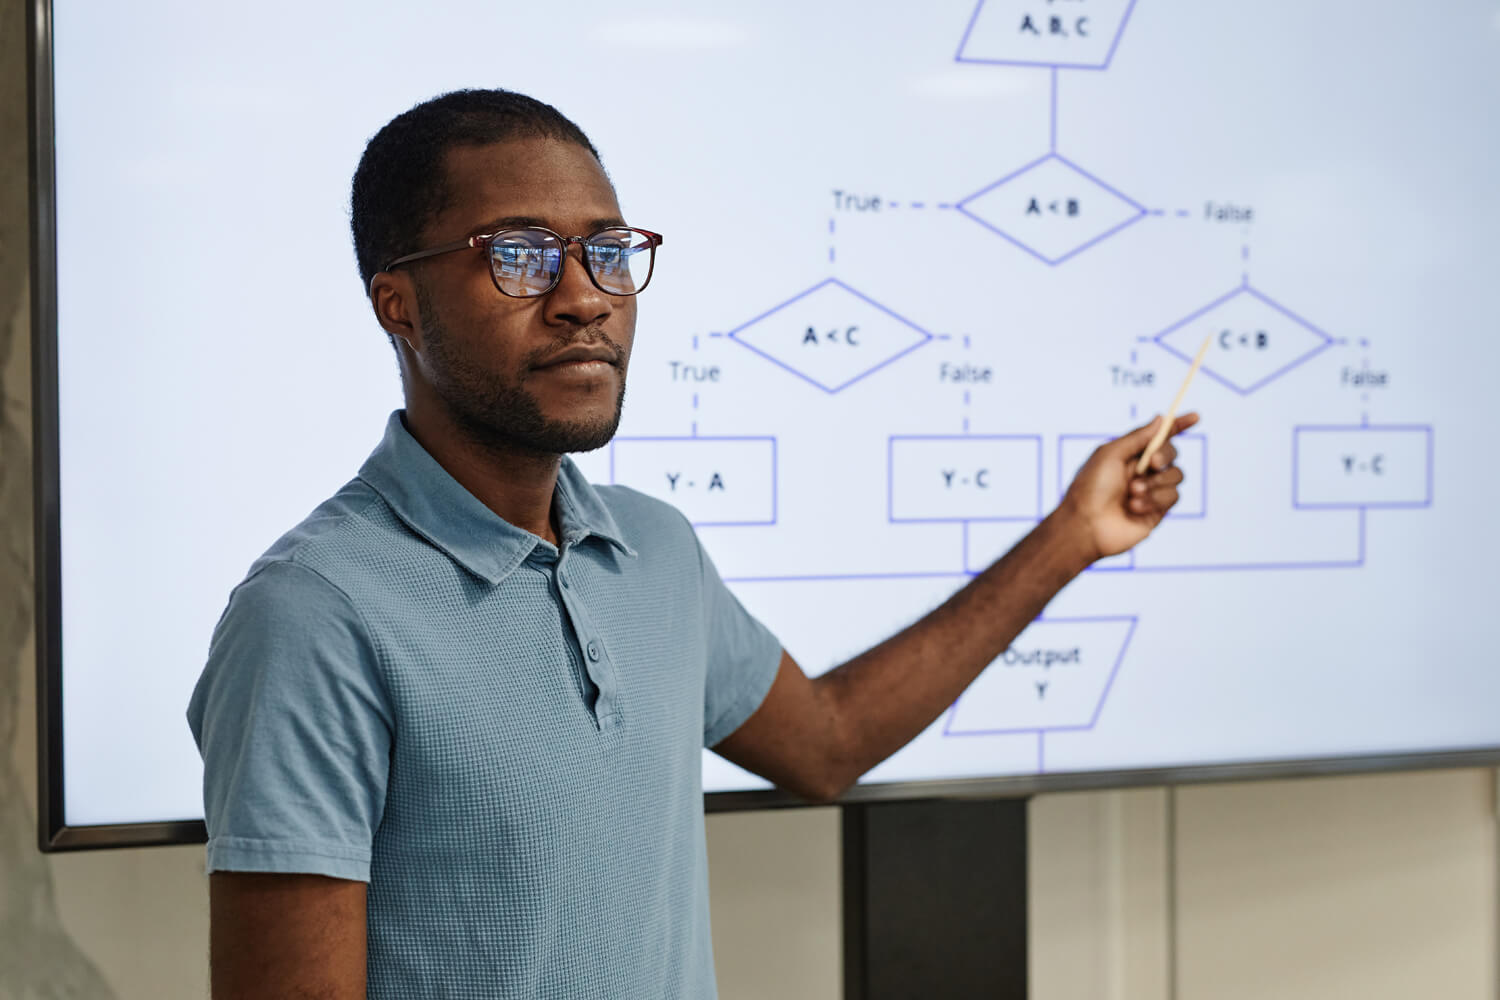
x=525, y=221
x=508, y=222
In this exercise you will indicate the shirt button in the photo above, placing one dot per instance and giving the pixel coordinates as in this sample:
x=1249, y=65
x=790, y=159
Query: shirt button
x=562, y=580
x=593, y=651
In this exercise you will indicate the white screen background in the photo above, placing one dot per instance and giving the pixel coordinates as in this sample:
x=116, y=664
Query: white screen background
x=220, y=373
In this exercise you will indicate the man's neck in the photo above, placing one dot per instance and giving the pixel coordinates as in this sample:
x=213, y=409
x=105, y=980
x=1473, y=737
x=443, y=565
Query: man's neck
x=517, y=485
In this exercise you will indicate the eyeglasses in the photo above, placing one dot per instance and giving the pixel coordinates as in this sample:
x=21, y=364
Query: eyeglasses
x=528, y=262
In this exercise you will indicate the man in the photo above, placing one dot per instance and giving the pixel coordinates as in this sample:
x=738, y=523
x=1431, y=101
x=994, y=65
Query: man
x=451, y=723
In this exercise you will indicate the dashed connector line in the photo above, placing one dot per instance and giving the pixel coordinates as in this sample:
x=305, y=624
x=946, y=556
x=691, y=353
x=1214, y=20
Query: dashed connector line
x=946, y=206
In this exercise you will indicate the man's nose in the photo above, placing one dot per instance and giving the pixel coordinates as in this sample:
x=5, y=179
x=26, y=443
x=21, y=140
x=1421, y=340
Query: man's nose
x=576, y=299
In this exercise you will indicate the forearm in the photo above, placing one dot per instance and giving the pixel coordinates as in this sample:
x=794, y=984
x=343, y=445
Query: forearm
x=880, y=700
x=284, y=937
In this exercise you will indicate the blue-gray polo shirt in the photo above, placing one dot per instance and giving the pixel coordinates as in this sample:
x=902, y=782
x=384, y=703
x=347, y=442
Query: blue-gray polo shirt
x=501, y=736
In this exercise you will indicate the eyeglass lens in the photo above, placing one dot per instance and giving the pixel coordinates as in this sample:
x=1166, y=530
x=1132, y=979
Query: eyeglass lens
x=526, y=262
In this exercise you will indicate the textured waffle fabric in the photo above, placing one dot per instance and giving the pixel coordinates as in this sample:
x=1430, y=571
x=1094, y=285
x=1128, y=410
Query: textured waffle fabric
x=501, y=736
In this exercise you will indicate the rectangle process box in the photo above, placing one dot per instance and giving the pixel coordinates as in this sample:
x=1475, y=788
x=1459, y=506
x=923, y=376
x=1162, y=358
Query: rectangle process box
x=712, y=480
x=1361, y=466
x=965, y=477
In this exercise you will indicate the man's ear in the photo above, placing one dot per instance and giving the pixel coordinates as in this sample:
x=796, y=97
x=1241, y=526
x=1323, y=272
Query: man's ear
x=393, y=296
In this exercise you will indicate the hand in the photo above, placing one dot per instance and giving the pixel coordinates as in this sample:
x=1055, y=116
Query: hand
x=1115, y=508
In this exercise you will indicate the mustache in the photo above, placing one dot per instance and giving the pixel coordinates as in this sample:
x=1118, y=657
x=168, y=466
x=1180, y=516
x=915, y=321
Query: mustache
x=588, y=337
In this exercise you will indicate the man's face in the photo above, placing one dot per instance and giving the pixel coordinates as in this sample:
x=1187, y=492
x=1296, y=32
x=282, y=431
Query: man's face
x=545, y=375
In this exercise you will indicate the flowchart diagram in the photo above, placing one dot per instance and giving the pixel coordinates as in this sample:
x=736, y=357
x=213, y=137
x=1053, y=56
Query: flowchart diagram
x=920, y=260
x=971, y=488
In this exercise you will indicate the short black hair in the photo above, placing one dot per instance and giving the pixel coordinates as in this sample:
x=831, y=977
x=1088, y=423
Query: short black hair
x=400, y=185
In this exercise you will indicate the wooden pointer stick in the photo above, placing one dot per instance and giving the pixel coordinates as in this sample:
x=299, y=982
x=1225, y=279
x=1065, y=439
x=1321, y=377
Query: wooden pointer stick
x=1166, y=424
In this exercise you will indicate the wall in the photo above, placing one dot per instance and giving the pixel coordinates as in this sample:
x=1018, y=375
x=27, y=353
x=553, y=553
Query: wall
x=1373, y=887
x=1379, y=887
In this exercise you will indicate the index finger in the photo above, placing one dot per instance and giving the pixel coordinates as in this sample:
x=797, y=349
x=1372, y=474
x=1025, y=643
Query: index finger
x=1183, y=422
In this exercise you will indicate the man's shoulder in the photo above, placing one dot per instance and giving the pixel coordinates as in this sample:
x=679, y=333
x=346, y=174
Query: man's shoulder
x=339, y=534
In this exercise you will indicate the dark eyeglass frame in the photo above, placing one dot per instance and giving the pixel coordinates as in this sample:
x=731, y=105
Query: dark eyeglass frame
x=486, y=241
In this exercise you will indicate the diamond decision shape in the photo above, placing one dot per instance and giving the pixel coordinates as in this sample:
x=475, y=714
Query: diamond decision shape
x=1081, y=34
x=830, y=335
x=1052, y=209
x=1253, y=340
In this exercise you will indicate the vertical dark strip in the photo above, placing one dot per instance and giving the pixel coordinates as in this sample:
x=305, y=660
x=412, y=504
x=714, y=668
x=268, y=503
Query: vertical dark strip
x=852, y=824
x=46, y=552
x=935, y=896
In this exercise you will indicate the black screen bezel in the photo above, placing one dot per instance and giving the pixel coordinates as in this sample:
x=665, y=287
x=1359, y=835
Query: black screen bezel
x=55, y=834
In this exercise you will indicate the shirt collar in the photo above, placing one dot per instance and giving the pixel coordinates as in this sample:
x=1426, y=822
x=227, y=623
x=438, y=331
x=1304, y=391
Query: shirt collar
x=438, y=508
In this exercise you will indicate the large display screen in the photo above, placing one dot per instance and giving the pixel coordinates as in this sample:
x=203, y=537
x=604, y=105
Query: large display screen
x=920, y=259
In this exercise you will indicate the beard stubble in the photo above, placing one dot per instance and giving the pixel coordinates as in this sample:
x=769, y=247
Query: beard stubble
x=499, y=413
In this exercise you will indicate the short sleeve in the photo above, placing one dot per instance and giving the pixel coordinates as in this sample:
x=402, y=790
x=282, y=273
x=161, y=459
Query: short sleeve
x=294, y=728
x=743, y=657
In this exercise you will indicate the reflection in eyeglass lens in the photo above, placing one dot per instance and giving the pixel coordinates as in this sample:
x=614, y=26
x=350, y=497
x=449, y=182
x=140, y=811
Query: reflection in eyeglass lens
x=525, y=262
x=616, y=260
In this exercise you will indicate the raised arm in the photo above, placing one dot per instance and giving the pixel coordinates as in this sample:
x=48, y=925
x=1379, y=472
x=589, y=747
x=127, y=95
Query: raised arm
x=286, y=937
x=816, y=737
